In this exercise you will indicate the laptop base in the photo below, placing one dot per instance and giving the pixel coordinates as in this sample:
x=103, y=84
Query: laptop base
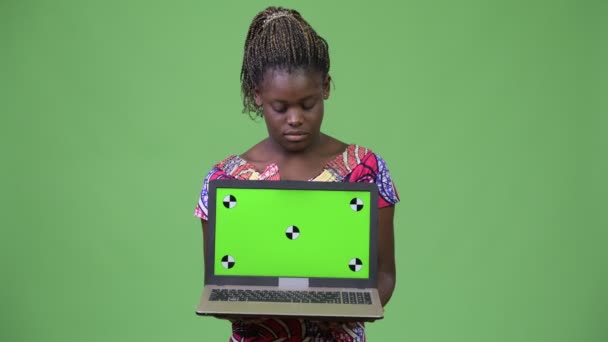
x=242, y=301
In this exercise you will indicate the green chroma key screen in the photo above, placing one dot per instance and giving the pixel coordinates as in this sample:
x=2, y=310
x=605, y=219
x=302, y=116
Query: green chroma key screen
x=292, y=233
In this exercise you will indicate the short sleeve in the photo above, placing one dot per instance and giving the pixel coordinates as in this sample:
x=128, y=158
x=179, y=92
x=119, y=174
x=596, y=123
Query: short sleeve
x=371, y=168
x=386, y=188
x=202, y=207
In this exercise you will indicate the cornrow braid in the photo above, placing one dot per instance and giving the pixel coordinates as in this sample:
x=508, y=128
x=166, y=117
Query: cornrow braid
x=279, y=38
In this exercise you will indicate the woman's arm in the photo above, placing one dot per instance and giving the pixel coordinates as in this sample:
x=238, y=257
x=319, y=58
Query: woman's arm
x=204, y=224
x=386, y=254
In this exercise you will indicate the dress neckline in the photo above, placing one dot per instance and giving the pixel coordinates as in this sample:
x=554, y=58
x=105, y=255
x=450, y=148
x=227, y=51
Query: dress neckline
x=272, y=168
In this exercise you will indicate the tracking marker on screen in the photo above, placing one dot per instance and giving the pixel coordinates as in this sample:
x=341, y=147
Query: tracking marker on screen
x=228, y=261
x=229, y=201
x=355, y=264
x=356, y=204
x=292, y=232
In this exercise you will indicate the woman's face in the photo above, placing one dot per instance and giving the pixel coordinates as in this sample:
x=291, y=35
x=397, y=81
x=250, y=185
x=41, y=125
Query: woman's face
x=293, y=106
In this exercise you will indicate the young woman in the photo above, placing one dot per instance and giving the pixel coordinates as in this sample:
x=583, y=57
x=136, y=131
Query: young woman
x=285, y=79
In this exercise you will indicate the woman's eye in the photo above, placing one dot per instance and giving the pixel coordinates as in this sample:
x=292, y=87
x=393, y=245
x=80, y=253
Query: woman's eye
x=308, y=106
x=280, y=109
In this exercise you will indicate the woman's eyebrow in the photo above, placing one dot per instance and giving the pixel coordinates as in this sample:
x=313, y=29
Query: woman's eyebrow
x=299, y=100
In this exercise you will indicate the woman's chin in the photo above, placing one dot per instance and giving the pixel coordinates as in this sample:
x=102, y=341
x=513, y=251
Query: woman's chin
x=295, y=147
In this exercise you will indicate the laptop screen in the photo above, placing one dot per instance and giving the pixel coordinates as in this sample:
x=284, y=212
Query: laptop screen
x=292, y=233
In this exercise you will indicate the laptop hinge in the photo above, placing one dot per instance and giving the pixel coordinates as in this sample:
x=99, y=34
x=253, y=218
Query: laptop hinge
x=293, y=283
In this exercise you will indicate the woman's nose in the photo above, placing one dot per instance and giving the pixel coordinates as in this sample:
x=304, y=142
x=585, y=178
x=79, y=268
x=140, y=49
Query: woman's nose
x=295, y=117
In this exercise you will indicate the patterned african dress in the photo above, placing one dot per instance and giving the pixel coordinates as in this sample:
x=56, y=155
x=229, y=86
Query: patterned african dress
x=355, y=164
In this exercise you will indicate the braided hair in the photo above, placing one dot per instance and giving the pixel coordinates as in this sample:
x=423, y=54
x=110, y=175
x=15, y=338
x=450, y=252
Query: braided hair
x=279, y=38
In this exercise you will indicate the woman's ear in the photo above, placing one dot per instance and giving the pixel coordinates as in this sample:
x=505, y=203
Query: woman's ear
x=256, y=97
x=326, y=84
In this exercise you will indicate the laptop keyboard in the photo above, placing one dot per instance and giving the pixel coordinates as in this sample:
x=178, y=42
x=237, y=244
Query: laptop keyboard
x=283, y=296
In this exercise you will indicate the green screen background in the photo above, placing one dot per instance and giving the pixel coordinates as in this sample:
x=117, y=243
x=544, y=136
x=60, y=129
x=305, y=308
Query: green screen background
x=253, y=232
x=492, y=116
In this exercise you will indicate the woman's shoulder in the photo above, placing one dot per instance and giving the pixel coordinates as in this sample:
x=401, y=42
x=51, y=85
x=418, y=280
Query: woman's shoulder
x=256, y=156
x=366, y=153
x=229, y=167
x=343, y=150
x=365, y=165
x=227, y=161
x=356, y=154
x=358, y=160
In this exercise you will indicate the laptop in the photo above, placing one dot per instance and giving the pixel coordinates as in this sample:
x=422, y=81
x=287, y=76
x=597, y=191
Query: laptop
x=291, y=249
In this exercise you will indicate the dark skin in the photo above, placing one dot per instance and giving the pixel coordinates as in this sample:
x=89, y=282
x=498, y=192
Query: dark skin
x=293, y=104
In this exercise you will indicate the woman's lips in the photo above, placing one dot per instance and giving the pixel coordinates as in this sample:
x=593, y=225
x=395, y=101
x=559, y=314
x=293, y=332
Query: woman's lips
x=295, y=136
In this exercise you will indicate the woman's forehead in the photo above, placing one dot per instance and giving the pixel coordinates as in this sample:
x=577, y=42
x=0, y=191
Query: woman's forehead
x=297, y=78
